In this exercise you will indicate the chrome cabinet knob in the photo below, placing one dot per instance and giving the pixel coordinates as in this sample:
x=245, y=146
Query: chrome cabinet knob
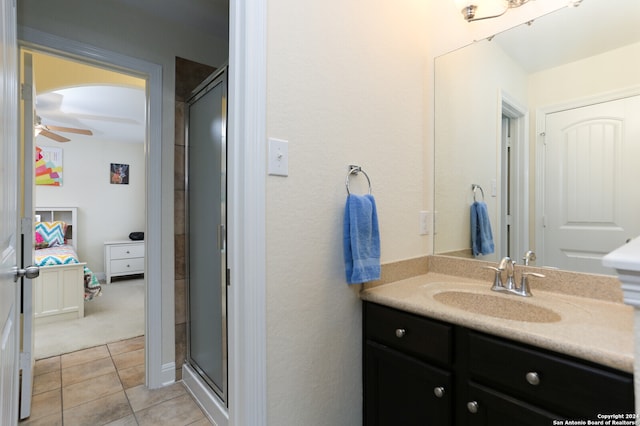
x=438, y=391
x=472, y=407
x=533, y=378
x=400, y=332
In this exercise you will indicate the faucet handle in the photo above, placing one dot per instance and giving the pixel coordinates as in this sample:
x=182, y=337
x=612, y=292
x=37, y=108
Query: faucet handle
x=497, y=281
x=529, y=256
x=524, y=290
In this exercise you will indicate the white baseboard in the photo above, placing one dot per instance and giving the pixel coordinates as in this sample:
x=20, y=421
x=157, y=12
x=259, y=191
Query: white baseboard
x=206, y=398
x=168, y=373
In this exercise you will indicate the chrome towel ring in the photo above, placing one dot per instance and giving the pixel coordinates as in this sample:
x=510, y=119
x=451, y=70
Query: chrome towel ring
x=355, y=170
x=475, y=186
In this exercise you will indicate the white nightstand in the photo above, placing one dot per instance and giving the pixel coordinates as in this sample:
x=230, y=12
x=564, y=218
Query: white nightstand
x=123, y=257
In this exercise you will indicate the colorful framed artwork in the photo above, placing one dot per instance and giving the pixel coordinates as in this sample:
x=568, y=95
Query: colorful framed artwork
x=119, y=174
x=48, y=166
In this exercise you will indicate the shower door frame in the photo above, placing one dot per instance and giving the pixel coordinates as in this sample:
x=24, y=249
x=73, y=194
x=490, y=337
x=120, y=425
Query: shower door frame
x=218, y=77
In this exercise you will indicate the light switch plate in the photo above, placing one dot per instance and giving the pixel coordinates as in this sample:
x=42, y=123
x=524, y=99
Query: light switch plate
x=278, y=157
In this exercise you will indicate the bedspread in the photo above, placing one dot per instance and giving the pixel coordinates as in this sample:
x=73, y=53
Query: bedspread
x=66, y=255
x=59, y=255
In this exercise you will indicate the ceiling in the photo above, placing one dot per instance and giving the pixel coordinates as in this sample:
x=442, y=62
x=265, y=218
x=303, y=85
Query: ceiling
x=573, y=33
x=210, y=16
x=113, y=113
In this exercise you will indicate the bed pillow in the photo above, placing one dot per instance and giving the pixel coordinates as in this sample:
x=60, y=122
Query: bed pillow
x=52, y=232
x=40, y=243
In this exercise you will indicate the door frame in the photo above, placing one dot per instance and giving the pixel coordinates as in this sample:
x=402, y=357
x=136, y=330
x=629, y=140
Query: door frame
x=157, y=373
x=541, y=119
x=519, y=117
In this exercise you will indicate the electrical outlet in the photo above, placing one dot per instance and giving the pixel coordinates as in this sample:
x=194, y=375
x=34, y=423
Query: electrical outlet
x=424, y=223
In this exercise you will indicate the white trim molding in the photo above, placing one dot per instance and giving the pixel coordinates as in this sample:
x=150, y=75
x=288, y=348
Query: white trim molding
x=247, y=212
x=626, y=261
x=155, y=371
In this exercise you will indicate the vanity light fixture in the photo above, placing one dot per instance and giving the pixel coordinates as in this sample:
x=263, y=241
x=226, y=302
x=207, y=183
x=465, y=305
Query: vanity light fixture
x=470, y=7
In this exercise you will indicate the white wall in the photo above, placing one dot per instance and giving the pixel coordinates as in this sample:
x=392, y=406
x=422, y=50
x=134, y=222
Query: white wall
x=110, y=25
x=345, y=86
x=105, y=211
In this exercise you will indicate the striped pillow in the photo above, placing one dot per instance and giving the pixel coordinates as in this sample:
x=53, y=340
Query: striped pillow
x=52, y=232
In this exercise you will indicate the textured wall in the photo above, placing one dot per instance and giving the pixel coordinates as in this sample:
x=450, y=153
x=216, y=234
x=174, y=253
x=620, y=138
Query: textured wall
x=345, y=86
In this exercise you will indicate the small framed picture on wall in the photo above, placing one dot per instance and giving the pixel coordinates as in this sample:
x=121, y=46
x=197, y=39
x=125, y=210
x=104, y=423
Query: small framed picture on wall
x=119, y=174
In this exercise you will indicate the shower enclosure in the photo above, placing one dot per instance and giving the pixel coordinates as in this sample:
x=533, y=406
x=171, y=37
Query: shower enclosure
x=206, y=160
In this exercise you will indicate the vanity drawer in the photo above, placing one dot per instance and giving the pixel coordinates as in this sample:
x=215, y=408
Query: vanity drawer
x=568, y=385
x=409, y=333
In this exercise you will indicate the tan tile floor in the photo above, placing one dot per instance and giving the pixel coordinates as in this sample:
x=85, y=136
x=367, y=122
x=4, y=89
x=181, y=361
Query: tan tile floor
x=104, y=385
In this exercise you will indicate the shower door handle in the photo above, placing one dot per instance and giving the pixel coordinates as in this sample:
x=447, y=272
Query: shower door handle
x=222, y=237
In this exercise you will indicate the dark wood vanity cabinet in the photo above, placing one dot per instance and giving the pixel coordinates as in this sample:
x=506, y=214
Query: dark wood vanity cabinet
x=406, y=376
x=419, y=371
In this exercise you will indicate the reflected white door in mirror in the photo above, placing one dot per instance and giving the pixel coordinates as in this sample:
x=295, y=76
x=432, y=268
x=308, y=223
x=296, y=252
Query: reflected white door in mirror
x=590, y=175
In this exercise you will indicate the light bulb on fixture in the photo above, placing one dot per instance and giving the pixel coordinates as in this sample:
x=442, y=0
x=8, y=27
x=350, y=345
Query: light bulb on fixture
x=470, y=7
x=467, y=8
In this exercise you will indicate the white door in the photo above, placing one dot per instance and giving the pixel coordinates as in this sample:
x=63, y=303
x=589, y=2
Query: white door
x=9, y=233
x=592, y=183
x=28, y=93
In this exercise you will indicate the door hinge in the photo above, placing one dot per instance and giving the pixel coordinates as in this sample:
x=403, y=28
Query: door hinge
x=25, y=360
x=26, y=92
x=228, y=277
x=544, y=221
x=25, y=225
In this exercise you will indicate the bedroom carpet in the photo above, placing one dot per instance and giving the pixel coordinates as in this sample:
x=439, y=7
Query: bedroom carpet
x=116, y=315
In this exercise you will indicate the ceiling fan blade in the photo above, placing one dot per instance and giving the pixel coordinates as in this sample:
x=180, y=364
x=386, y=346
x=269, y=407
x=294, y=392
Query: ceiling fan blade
x=55, y=137
x=70, y=130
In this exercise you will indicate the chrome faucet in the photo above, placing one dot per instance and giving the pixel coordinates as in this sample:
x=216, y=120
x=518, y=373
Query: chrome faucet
x=507, y=264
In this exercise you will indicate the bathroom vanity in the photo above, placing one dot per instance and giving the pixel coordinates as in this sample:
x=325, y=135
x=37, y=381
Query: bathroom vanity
x=430, y=360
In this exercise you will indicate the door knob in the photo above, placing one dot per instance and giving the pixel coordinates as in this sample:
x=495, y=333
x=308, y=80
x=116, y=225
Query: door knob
x=438, y=391
x=472, y=406
x=29, y=272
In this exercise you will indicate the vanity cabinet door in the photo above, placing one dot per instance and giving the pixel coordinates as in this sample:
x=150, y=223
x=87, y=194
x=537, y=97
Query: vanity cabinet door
x=487, y=407
x=401, y=390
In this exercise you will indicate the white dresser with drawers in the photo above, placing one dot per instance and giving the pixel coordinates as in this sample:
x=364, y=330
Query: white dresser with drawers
x=123, y=258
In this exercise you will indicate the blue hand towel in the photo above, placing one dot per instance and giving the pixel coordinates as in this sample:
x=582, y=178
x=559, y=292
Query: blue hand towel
x=361, y=239
x=481, y=237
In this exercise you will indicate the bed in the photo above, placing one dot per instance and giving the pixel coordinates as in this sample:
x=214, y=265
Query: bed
x=64, y=283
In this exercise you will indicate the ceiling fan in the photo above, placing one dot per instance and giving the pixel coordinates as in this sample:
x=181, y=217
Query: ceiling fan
x=47, y=131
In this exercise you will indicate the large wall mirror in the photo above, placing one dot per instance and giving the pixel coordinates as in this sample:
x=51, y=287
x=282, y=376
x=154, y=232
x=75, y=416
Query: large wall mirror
x=545, y=119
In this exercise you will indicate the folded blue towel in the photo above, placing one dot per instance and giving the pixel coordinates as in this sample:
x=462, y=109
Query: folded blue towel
x=361, y=239
x=481, y=237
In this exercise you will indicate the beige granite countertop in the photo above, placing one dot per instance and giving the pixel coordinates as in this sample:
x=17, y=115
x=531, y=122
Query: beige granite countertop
x=588, y=328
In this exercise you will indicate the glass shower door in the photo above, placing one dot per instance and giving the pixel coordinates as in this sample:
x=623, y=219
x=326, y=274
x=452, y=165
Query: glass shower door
x=206, y=248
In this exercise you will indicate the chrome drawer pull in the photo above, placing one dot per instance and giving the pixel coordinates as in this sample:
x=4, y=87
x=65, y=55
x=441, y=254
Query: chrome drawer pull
x=533, y=378
x=438, y=391
x=400, y=332
x=472, y=407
